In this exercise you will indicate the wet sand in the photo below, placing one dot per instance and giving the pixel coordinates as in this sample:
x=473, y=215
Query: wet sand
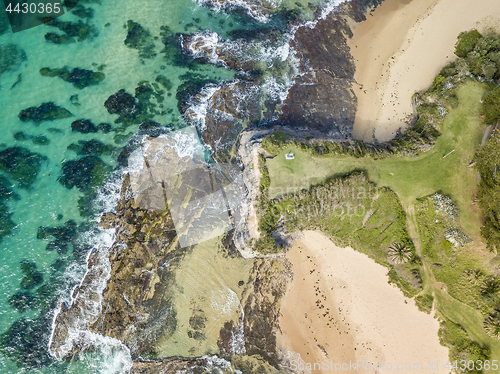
x=340, y=308
x=400, y=49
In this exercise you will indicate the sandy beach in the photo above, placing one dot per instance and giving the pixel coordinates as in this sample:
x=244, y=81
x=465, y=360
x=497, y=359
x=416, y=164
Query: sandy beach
x=399, y=50
x=340, y=308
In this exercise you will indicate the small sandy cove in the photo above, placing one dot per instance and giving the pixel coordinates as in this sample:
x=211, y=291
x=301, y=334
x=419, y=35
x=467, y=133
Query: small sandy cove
x=340, y=308
x=399, y=50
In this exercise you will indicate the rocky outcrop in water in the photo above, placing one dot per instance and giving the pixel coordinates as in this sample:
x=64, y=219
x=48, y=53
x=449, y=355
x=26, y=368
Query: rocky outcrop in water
x=317, y=101
x=261, y=302
x=135, y=298
x=139, y=272
x=322, y=100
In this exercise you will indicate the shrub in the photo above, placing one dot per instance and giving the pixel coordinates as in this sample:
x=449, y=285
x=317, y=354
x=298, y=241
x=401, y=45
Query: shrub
x=491, y=107
x=466, y=42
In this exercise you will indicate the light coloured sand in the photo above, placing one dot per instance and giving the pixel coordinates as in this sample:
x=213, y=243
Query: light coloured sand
x=400, y=49
x=339, y=307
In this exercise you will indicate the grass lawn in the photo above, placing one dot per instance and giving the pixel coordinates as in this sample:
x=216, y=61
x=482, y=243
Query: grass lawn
x=411, y=177
x=471, y=320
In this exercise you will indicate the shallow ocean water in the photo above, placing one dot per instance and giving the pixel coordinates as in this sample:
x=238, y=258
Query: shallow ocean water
x=47, y=202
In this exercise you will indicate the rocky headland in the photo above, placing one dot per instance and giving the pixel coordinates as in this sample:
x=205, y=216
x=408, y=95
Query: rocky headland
x=127, y=291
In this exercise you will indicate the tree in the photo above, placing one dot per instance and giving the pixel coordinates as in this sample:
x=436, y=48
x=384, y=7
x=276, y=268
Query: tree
x=399, y=254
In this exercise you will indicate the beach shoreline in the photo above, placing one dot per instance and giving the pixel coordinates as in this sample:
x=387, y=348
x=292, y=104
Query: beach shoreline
x=340, y=308
x=399, y=50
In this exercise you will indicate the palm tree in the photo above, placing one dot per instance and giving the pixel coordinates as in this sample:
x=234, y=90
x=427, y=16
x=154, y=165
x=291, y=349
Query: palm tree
x=492, y=324
x=399, y=254
x=474, y=275
x=490, y=286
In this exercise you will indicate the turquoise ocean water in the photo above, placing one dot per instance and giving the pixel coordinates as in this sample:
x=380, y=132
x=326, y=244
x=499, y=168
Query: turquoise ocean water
x=25, y=327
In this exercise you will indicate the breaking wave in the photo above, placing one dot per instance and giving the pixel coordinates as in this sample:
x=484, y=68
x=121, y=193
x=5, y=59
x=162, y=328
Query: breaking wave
x=260, y=10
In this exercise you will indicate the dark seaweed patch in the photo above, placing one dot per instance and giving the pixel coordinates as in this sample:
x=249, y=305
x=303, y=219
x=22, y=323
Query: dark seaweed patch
x=83, y=12
x=21, y=135
x=73, y=31
x=91, y=147
x=55, y=130
x=63, y=236
x=121, y=103
x=165, y=82
x=84, y=126
x=105, y=127
x=80, y=78
x=45, y=112
x=22, y=301
x=58, y=39
x=6, y=223
x=40, y=140
x=140, y=39
x=25, y=342
x=138, y=109
x=84, y=173
x=32, y=277
x=21, y=165
x=11, y=56
x=86, y=208
x=6, y=192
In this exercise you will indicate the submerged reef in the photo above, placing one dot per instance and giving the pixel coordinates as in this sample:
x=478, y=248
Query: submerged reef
x=11, y=56
x=40, y=140
x=139, y=108
x=32, y=277
x=21, y=165
x=140, y=39
x=6, y=194
x=83, y=12
x=63, y=236
x=91, y=147
x=121, y=103
x=85, y=173
x=80, y=78
x=45, y=112
x=84, y=126
x=73, y=31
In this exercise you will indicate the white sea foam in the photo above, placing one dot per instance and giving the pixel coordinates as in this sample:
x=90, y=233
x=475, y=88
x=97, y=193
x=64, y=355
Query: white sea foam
x=237, y=341
x=255, y=9
x=224, y=301
x=209, y=45
x=279, y=59
x=204, y=45
x=198, y=106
